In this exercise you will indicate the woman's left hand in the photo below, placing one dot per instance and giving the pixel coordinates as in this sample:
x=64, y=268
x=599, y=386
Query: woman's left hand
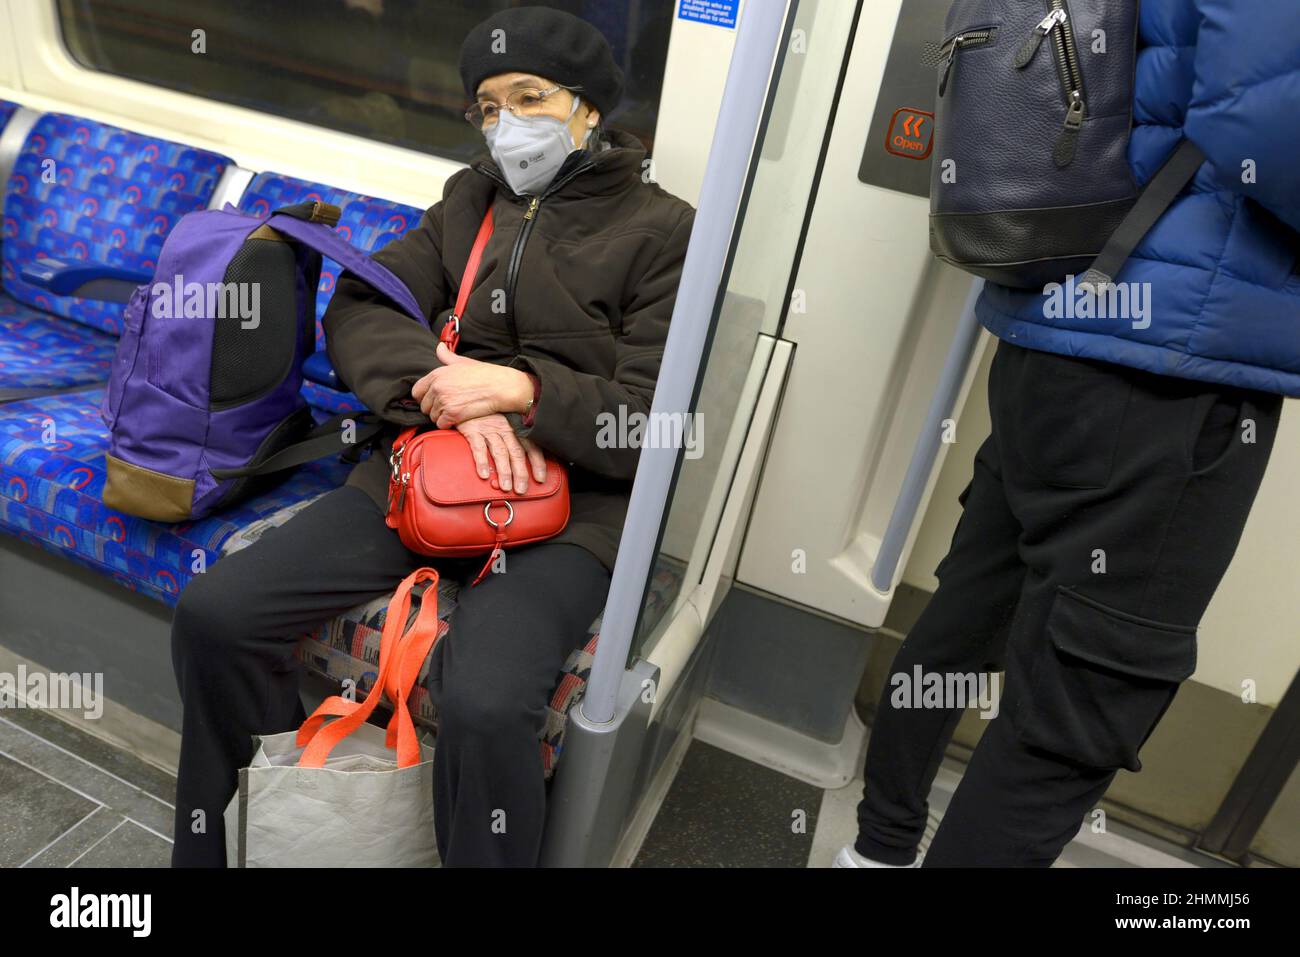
x=463, y=388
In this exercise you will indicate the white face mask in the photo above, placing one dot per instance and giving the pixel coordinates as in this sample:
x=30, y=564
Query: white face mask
x=531, y=149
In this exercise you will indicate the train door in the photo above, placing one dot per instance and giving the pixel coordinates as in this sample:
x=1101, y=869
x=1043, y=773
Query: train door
x=823, y=336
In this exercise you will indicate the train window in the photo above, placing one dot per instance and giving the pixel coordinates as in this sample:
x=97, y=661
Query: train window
x=383, y=69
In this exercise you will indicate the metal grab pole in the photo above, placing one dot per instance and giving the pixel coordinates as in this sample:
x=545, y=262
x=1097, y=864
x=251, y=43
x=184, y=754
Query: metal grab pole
x=725, y=174
x=927, y=444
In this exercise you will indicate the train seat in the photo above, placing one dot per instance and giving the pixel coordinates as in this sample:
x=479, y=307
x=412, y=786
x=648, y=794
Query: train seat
x=7, y=108
x=51, y=493
x=81, y=190
x=346, y=649
x=52, y=447
x=51, y=485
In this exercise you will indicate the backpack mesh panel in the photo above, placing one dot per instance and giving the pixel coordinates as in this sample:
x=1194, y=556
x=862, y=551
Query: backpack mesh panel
x=248, y=362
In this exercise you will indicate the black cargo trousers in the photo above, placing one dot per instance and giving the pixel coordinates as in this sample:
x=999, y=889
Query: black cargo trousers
x=1104, y=509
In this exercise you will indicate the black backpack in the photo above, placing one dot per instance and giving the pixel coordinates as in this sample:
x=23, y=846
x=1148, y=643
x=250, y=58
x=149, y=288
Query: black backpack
x=1030, y=180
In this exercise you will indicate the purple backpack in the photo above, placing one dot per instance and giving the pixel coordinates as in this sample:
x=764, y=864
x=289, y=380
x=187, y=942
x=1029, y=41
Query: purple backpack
x=203, y=400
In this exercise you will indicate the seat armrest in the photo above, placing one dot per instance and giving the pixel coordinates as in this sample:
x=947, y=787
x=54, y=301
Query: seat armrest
x=85, y=280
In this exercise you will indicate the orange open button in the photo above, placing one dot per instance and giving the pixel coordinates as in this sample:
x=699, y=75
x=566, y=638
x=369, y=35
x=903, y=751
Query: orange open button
x=911, y=133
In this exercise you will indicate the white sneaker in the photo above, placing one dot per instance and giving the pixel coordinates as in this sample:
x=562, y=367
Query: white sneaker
x=849, y=857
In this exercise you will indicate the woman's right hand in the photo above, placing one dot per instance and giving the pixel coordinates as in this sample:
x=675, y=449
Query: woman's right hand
x=494, y=442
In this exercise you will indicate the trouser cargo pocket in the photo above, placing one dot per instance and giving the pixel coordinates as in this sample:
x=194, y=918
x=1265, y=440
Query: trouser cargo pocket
x=1102, y=681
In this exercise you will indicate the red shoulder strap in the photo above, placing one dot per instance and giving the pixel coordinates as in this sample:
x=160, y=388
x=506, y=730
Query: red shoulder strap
x=451, y=328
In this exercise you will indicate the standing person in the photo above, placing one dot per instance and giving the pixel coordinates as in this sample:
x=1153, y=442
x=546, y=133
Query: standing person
x=1123, y=461
x=587, y=255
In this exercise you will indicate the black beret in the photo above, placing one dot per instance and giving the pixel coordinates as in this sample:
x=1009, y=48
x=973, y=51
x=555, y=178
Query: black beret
x=546, y=42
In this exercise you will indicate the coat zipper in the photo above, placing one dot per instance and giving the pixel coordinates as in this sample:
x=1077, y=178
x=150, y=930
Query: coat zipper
x=1058, y=25
x=949, y=48
x=512, y=269
x=525, y=230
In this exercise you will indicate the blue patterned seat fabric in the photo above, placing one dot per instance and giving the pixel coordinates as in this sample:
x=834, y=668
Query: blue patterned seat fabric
x=367, y=223
x=6, y=110
x=40, y=351
x=85, y=190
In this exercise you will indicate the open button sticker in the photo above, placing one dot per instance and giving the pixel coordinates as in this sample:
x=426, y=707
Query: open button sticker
x=911, y=133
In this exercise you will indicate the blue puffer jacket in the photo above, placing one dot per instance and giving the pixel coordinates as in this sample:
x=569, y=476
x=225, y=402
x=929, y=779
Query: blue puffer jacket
x=1222, y=261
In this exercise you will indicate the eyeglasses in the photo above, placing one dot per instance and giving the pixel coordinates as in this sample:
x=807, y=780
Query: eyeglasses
x=526, y=102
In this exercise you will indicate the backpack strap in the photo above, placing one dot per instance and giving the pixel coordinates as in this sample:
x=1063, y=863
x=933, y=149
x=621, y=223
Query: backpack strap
x=312, y=211
x=321, y=441
x=1158, y=195
x=308, y=224
x=312, y=224
x=320, y=236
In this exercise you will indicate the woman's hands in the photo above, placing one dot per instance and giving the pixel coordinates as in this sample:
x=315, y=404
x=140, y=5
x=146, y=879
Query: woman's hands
x=462, y=389
x=471, y=396
x=492, y=435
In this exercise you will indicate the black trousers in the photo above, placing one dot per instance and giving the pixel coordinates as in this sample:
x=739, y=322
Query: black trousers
x=1104, y=509
x=234, y=634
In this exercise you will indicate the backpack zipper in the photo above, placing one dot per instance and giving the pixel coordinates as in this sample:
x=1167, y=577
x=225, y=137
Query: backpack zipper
x=1045, y=26
x=1058, y=25
x=1068, y=60
x=949, y=48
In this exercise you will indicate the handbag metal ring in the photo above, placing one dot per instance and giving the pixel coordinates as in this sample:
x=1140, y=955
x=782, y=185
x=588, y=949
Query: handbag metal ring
x=487, y=513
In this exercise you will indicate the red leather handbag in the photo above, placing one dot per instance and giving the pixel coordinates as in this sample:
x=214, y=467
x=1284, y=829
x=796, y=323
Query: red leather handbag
x=436, y=500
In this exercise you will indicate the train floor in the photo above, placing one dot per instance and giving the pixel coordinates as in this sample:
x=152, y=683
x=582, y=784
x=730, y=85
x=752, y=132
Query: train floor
x=724, y=810
x=68, y=799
